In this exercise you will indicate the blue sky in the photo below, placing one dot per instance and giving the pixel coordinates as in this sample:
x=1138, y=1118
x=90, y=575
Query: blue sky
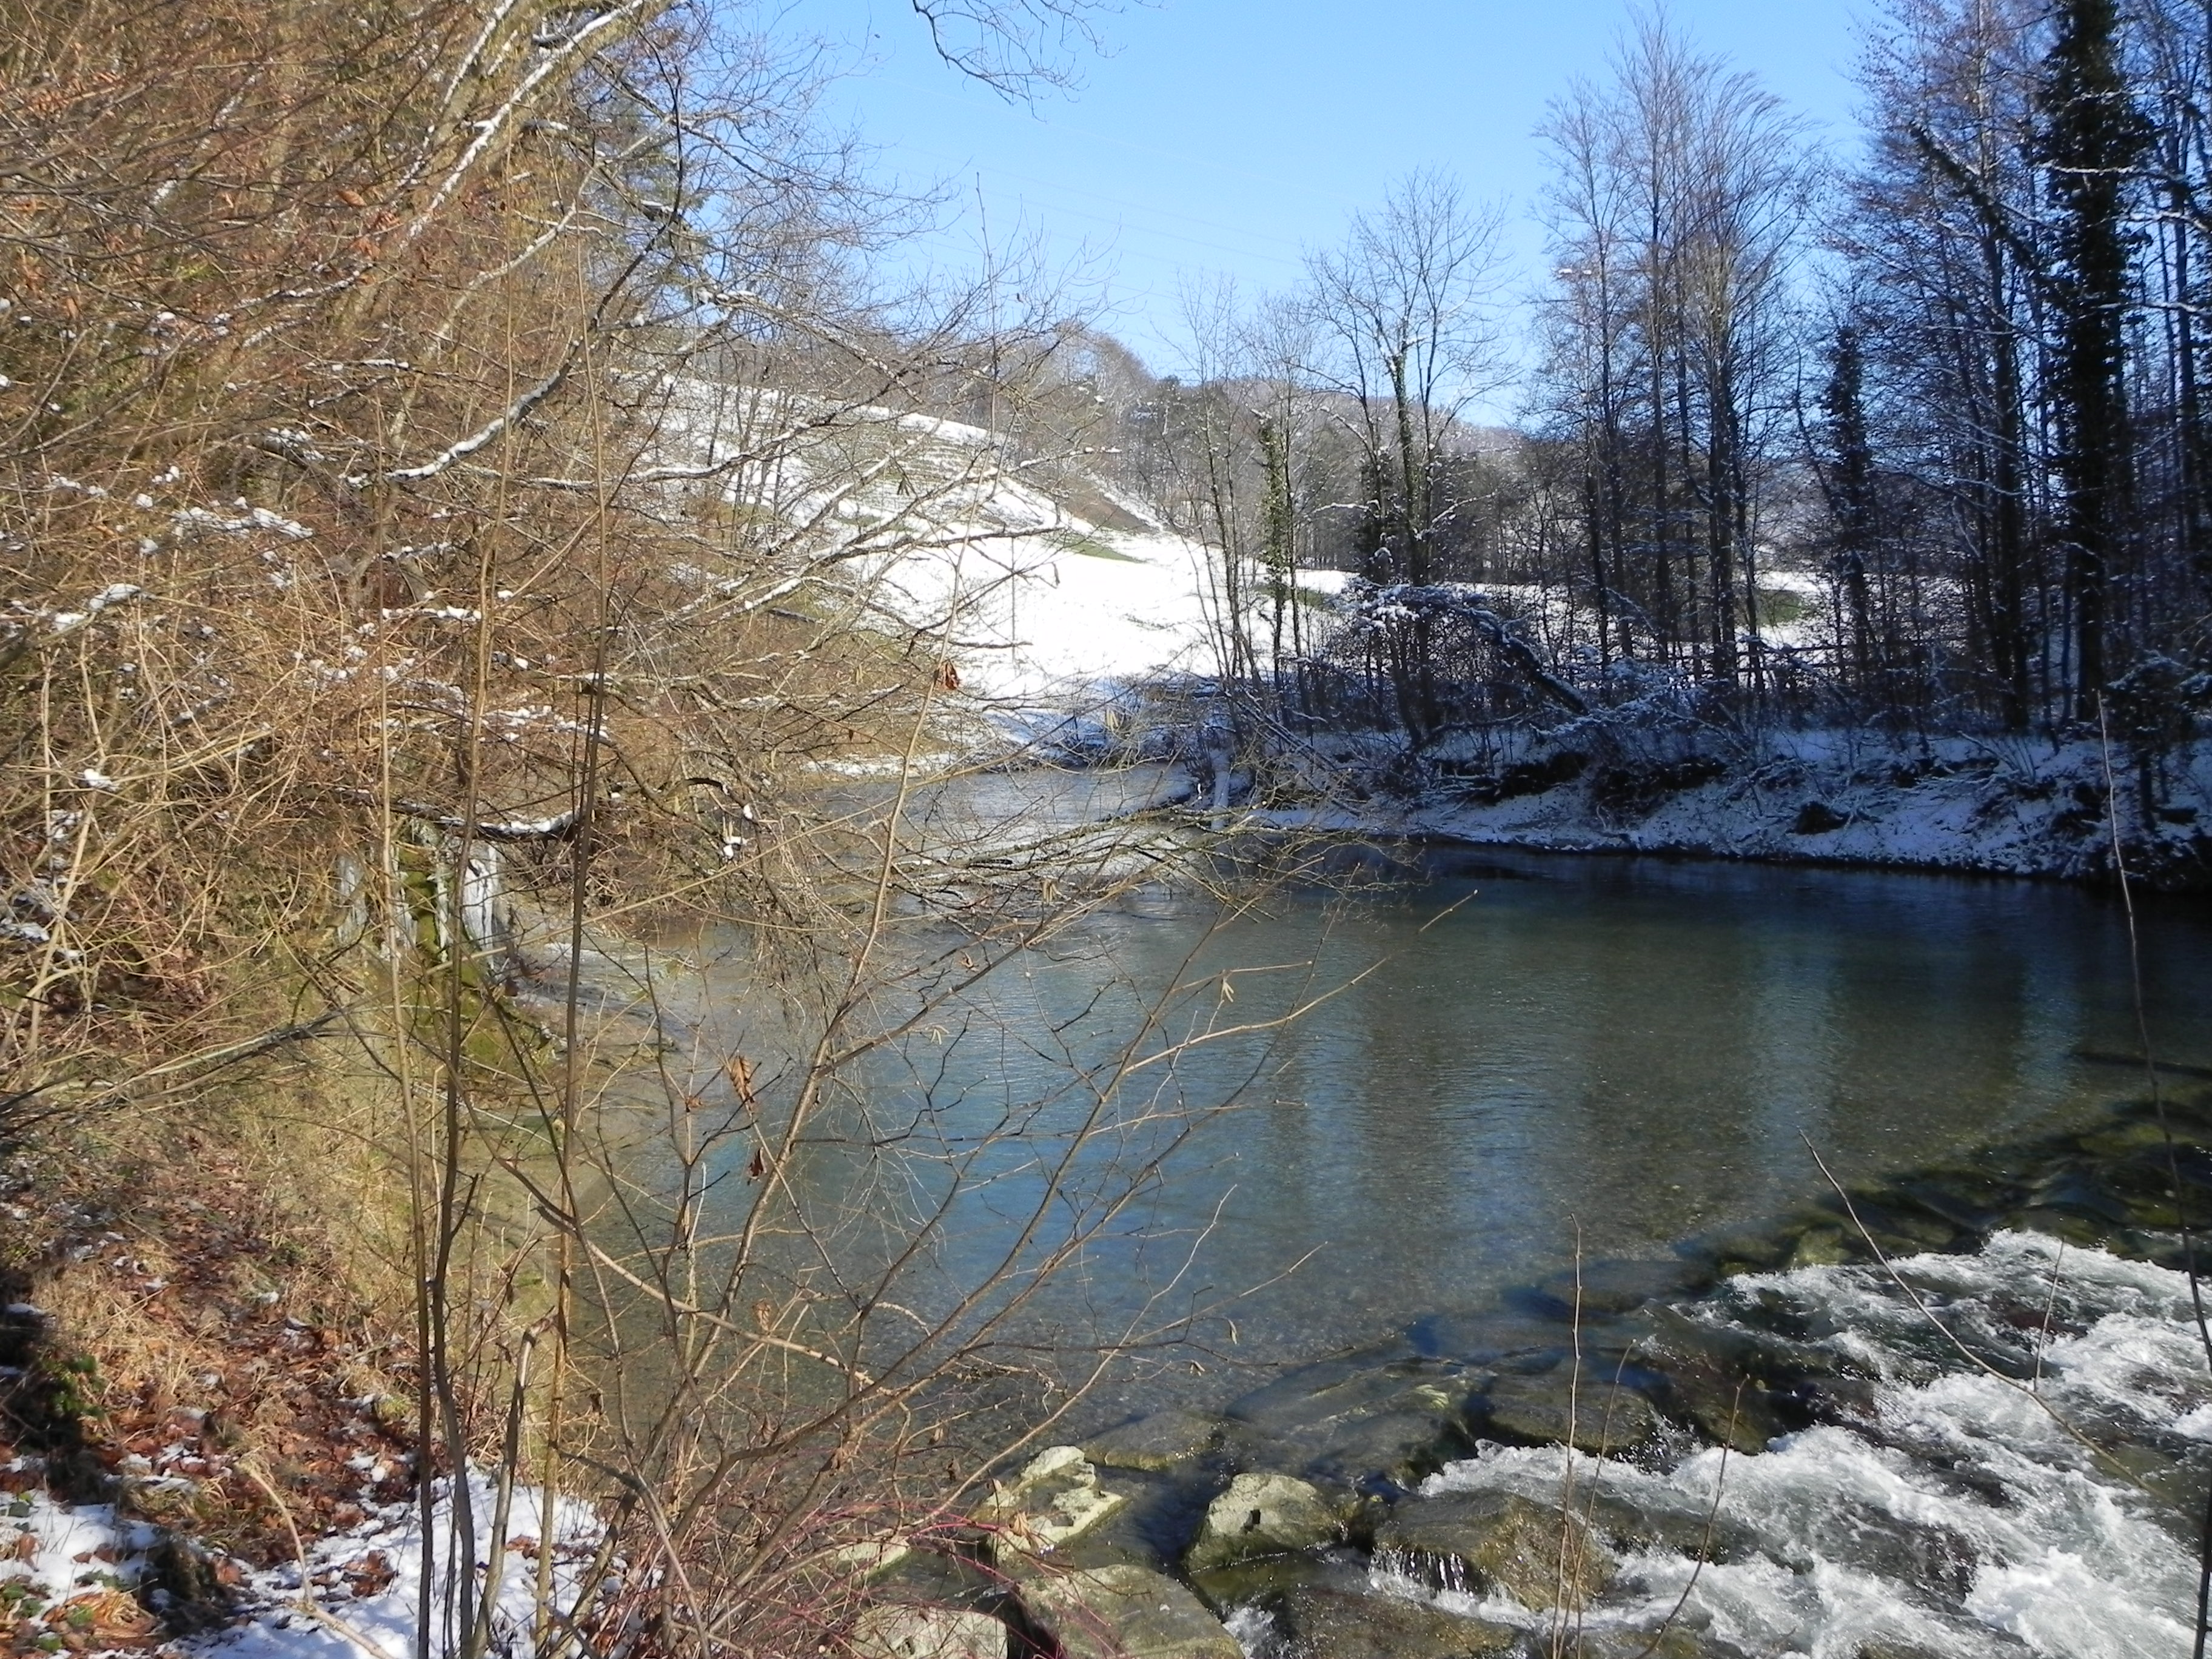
x=1224, y=136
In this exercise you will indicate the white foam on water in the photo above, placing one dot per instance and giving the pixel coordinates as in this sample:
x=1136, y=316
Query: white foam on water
x=1255, y=1632
x=1967, y=1516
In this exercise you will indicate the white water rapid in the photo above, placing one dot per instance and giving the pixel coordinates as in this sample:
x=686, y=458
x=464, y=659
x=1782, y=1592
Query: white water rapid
x=2049, y=1508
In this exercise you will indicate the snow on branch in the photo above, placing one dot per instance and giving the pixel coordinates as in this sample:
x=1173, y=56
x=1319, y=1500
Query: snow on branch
x=1377, y=606
x=562, y=826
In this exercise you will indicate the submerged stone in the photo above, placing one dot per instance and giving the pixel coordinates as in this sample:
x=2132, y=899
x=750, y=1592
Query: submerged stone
x=1349, y=1420
x=1263, y=1515
x=1480, y=1541
x=1551, y=1408
x=1160, y=1441
x=1123, y=1612
x=1357, y=1386
x=1619, y=1284
x=1402, y=1447
x=1706, y=1535
x=1320, y=1621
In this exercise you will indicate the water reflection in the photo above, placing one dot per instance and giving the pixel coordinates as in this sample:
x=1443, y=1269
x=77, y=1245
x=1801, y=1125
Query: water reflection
x=1618, y=1051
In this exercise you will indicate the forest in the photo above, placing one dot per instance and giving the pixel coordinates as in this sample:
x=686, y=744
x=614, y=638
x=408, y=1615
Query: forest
x=1954, y=378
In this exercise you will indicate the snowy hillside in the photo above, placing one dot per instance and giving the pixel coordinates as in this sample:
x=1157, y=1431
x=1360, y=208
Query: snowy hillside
x=933, y=525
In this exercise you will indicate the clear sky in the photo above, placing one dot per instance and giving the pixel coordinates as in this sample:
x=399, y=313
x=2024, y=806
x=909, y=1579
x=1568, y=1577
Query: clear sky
x=1224, y=136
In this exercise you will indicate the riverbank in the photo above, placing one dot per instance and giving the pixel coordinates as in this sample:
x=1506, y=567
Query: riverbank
x=209, y=1398
x=1839, y=798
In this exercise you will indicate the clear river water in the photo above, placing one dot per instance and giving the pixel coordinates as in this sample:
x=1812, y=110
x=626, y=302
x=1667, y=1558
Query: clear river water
x=1531, y=1054
x=1508, y=1058
x=1250, y=1132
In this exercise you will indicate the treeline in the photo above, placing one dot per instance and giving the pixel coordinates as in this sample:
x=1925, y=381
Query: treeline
x=1913, y=430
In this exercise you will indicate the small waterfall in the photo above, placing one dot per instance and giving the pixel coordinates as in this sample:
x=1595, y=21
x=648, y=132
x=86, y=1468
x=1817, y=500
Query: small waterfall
x=2016, y=1464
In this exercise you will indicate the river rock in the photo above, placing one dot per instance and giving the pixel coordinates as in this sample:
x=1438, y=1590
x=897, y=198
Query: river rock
x=1720, y=1376
x=1264, y=1580
x=1597, y=1416
x=1156, y=1521
x=1819, y=1246
x=1054, y=1500
x=1263, y=1514
x=1676, y=1642
x=915, y=1632
x=1901, y=1224
x=1348, y=1421
x=1618, y=1284
x=2077, y=1230
x=1703, y=1533
x=1401, y=1448
x=1480, y=1541
x=1123, y=1612
x=1158, y=1441
x=1323, y=1621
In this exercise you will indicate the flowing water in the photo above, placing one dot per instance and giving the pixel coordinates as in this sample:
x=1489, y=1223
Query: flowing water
x=1508, y=1059
x=2046, y=1501
x=1516, y=1057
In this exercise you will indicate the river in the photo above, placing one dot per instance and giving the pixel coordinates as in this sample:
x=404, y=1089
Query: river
x=1508, y=1058
x=1393, y=1118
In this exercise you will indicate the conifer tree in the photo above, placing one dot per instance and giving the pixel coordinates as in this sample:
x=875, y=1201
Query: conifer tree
x=2090, y=139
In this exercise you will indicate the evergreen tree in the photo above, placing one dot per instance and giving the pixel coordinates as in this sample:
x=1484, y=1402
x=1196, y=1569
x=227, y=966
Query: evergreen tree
x=2090, y=140
x=1850, y=488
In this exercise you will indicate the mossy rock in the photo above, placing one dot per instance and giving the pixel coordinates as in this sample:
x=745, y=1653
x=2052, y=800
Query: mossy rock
x=1263, y=1580
x=1820, y=1247
x=1320, y=1621
x=1480, y=1542
x=1260, y=1515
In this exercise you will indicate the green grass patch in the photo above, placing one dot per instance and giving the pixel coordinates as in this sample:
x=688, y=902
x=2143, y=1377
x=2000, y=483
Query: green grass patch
x=1074, y=541
x=1778, y=607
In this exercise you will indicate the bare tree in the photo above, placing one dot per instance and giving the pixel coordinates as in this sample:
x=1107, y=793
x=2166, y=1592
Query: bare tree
x=1404, y=315
x=1679, y=191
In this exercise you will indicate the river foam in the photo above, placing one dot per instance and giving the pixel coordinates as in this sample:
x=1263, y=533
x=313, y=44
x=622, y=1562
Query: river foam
x=2024, y=1474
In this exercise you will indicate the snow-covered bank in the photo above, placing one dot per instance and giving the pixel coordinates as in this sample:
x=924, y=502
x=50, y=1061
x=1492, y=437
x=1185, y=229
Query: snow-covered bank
x=358, y=1593
x=73, y=1575
x=2007, y=806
